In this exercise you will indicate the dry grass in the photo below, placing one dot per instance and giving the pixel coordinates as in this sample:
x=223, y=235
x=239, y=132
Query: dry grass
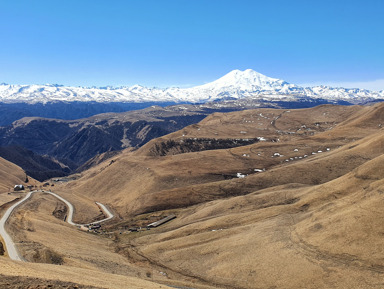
x=10, y=175
x=326, y=236
x=138, y=183
x=312, y=222
x=84, y=258
x=82, y=276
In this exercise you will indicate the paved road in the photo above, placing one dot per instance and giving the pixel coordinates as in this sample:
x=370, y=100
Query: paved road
x=71, y=211
x=10, y=245
x=108, y=212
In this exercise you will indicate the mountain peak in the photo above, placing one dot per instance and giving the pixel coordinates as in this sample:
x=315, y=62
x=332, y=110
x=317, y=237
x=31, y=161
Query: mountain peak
x=250, y=74
x=246, y=72
x=245, y=80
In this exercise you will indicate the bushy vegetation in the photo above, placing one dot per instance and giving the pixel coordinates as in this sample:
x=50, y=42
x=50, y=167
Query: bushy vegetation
x=197, y=144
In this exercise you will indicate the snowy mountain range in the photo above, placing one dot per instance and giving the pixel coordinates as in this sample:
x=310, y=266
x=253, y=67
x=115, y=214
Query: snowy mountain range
x=234, y=85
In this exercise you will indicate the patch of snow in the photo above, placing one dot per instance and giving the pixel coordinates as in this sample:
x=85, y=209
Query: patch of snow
x=240, y=175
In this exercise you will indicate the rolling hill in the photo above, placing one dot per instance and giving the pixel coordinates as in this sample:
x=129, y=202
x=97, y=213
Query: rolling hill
x=11, y=175
x=278, y=139
x=263, y=198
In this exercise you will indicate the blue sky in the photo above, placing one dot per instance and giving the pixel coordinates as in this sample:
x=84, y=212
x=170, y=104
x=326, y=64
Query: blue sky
x=185, y=43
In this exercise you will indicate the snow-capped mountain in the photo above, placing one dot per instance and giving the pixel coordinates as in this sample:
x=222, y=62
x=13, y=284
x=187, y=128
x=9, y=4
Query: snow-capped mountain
x=234, y=85
x=247, y=80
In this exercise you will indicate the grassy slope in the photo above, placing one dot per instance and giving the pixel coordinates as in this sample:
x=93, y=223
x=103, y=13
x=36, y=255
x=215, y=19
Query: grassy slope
x=311, y=222
x=137, y=182
x=10, y=175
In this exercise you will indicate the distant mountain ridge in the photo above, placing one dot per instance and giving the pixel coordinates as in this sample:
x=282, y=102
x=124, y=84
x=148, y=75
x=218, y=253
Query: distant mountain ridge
x=234, y=85
x=49, y=147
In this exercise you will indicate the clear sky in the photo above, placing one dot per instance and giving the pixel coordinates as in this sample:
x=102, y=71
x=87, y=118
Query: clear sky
x=185, y=43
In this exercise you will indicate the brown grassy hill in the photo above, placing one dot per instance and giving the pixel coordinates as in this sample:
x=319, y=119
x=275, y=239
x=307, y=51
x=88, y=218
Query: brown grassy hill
x=270, y=124
x=324, y=236
x=264, y=199
x=141, y=181
x=61, y=256
x=10, y=175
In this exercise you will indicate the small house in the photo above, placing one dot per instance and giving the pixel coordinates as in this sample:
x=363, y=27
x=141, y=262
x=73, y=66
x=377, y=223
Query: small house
x=94, y=226
x=161, y=222
x=18, y=188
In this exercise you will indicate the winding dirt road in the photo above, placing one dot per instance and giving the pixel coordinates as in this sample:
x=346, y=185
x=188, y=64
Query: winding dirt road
x=8, y=242
x=10, y=245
